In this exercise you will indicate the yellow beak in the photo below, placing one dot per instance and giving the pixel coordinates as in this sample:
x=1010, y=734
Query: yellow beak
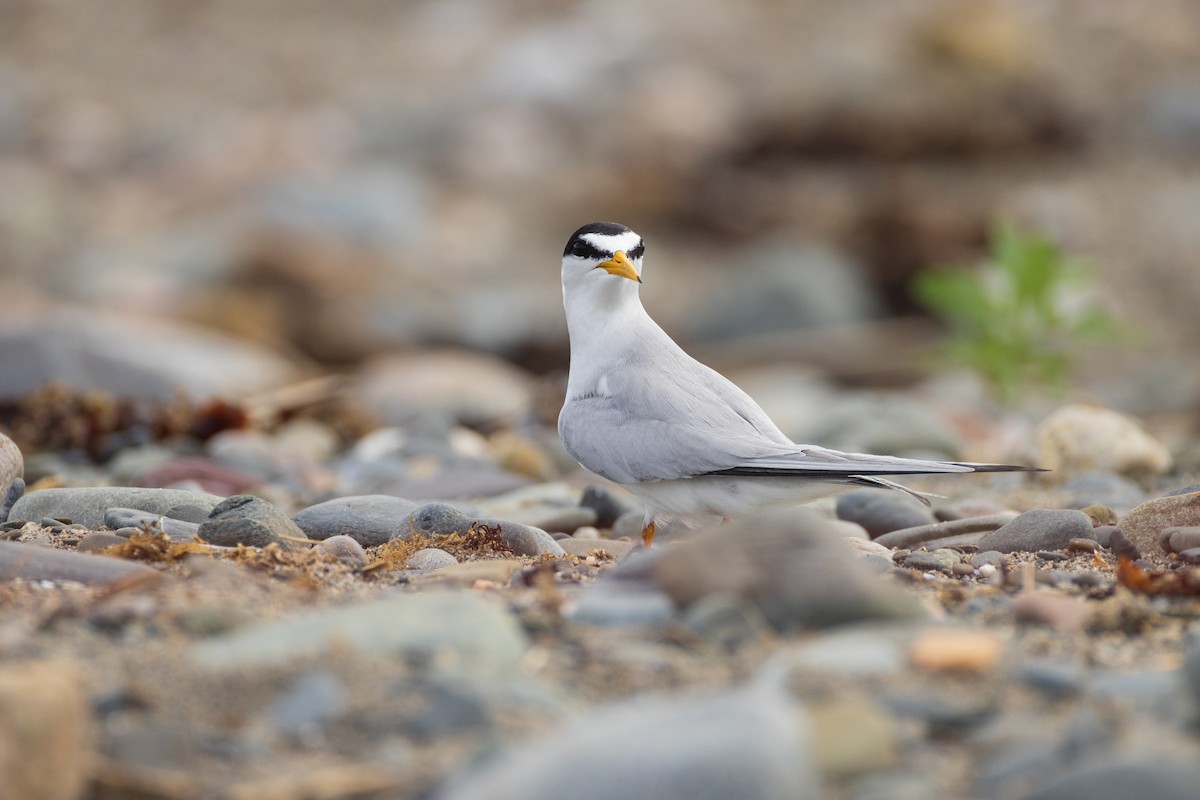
x=621, y=265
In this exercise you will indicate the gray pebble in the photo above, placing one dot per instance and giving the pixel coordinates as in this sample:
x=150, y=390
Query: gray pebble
x=1190, y=556
x=935, y=561
x=34, y=562
x=1039, y=529
x=725, y=620
x=993, y=557
x=440, y=518
x=370, y=519
x=1182, y=538
x=1052, y=555
x=430, y=558
x=1101, y=486
x=1103, y=533
x=883, y=512
x=911, y=537
x=526, y=540
x=344, y=549
x=248, y=520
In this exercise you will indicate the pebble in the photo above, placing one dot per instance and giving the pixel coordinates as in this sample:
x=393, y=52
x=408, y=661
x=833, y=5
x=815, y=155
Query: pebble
x=1075, y=438
x=955, y=650
x=1103, y=535
x=430, y=558
x=911, y=537
x=607, y=505
x=1120, y=544
x=857, y=651
x=439, y=518
x=45, y=731
x=787, y=564
x=883, y=512
x=215, y=478
x=480, y=635
x=344, y=549
x=35, y=562
x=251, y=521
x=498, y=571
x=1180, y=538
x=746, y=742
x=1143, y=524
x=1190, y=556
x=88, y=506
x=1059, y=612
x=177, y=529
x=1100, y=514
x=525, y=540
x=937, y=560
x=370, y=519
x=1039, y=529
x=1083, y=545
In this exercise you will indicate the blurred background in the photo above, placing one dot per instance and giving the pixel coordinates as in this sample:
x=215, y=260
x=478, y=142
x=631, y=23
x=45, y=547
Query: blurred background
x=227, y=195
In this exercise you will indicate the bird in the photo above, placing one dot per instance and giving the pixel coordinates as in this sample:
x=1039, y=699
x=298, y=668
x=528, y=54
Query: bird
x=642, y=413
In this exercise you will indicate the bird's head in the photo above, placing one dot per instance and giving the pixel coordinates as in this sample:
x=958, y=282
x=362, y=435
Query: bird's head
x=603, y=253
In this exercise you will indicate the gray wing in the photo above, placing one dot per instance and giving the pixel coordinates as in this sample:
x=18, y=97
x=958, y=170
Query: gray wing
x=662, y=424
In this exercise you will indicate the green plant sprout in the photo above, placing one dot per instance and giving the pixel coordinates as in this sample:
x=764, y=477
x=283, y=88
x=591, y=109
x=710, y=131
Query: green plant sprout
x=1020, y=320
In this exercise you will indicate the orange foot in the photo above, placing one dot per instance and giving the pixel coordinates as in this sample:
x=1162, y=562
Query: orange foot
x=647, y=534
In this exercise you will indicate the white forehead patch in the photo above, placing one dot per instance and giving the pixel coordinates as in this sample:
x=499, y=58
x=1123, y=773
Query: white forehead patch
x=611, y=243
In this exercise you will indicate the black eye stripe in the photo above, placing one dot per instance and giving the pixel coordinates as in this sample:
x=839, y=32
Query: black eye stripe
x=585, y=249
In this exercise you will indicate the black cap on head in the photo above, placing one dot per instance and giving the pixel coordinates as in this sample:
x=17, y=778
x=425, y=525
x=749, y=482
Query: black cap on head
x=604, y=228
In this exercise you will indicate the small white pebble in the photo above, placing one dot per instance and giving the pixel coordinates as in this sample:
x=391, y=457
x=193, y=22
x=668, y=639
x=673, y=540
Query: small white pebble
x=586, y=532
x=986, y=570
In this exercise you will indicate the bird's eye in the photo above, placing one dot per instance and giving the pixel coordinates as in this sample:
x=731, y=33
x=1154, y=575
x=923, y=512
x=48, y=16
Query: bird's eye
x=580, y=249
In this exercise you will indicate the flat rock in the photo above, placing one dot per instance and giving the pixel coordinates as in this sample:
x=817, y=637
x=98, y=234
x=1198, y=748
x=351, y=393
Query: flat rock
x=1144, y=523
x=38, y=563
x=1075, y=438
x=911, y=537
x=1038, y=529
x=87, y=506
x=478, y=633
x=788, y=563
x=45, y=721
x=746, y=743
x=248, y=520
x=369, y=519
x=882, y=512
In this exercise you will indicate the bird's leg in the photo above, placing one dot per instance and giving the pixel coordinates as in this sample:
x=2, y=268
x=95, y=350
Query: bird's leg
x=647, y=534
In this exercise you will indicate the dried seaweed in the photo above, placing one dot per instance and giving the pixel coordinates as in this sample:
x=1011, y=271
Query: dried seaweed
x=1159, y=582
x=156, y=546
